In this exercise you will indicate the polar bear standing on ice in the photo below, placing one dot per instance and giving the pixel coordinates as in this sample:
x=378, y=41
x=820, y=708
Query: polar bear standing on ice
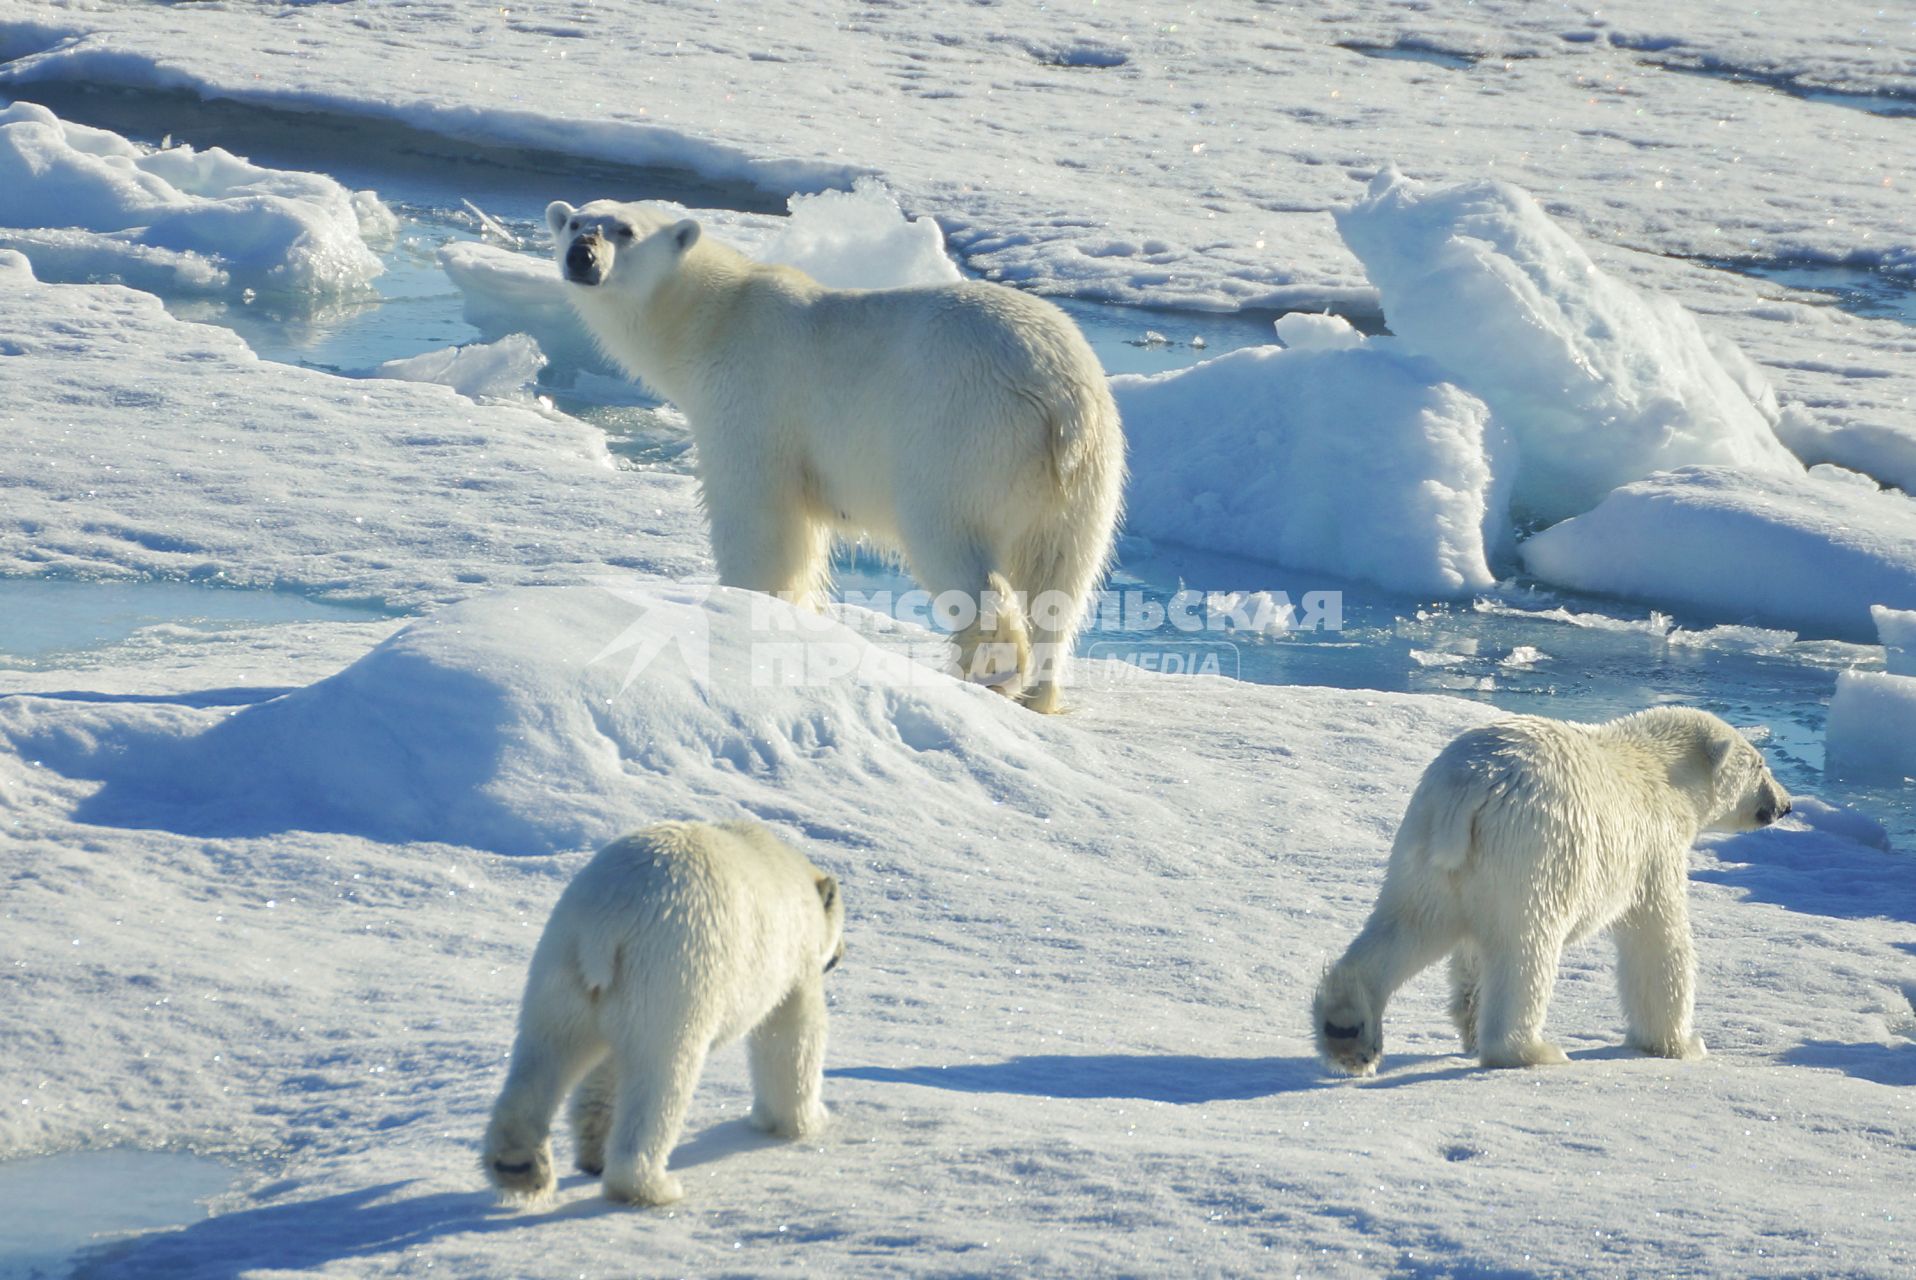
x=1528, y=834
x=966, y=425
x=670, y=942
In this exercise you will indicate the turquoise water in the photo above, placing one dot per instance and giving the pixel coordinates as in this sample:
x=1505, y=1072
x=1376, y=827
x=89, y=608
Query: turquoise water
x=58, y=1206
x=46, y=616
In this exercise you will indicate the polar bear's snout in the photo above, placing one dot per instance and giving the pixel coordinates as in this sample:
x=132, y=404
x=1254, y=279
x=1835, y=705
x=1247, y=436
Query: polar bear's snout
x=586, y=261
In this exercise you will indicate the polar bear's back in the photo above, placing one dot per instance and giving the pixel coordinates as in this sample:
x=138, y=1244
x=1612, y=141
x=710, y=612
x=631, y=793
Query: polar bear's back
x=695, y=912
x=946, y=370
x=1566, y=809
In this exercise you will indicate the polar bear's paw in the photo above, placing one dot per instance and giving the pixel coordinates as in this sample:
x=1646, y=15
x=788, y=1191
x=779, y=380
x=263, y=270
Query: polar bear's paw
x=806, y=1123
x=1532, y=1053
x=1687, y=1048
x=521, y=1172
x=1350, y=1036
x=646, y=1187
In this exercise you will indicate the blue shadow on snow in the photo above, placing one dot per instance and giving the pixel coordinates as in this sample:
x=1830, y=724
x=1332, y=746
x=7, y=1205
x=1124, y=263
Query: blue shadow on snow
x=1179, y=1078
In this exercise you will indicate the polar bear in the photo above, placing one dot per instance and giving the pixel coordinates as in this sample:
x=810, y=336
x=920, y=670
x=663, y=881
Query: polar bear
x=965, y=425
x=1528, y=834
x=670, y=942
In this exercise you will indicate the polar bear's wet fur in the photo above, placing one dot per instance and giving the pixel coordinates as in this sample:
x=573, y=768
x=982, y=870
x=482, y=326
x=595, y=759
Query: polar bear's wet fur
x=1529, y=834
x=670, y=942
x=965, y=425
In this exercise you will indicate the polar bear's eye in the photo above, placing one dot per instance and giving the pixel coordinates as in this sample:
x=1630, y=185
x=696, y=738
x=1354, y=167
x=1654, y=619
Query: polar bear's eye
x=625, y=233
x=575, y=225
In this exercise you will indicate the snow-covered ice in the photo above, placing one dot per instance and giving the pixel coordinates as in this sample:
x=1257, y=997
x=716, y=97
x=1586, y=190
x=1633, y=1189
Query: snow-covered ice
x=1872, y=725
x=1598, y=384
x=1808, y=553
x=89, y=205
x=1358, y=462
x=139, y=444
x=1896, y=628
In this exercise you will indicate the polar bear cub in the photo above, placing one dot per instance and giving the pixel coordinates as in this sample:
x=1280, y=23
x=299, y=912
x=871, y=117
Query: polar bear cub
x=1526, y=835
x=965, y=425
x=670, y=942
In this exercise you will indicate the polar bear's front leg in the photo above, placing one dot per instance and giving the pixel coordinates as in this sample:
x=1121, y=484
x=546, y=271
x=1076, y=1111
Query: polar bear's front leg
x=592, y=1117
x=549, y=1056
x=657, y=1071
x=1656, y=975
x=1518, y=976
x=765, y=539
x=787, y=1054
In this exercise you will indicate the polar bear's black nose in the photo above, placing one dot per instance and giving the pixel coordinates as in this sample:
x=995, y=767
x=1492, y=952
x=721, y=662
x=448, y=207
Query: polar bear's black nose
x=579, y=263
x=1335, y=1032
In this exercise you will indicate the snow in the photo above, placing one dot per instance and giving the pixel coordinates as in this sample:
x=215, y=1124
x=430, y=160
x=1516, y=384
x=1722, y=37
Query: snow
x=142, y=445
x=1351, y=461
x=86, y=204
x=477, y=370
x=1897, y=630
x=1065, y=1038
x=290, y=872
x=1808, y=554
x=1598, y=384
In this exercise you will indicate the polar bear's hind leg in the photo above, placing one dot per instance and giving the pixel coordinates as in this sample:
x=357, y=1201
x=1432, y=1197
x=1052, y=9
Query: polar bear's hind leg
x=1518, y=977
x=658, y=1071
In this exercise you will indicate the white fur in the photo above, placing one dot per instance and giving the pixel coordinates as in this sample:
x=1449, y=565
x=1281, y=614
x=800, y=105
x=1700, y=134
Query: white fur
x=1529, y=834
x=966, y=425
x=670, y=942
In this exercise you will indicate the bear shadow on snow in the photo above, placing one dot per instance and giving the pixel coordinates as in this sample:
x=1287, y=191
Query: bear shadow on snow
x=1170, y=1077
x=1882, y=1063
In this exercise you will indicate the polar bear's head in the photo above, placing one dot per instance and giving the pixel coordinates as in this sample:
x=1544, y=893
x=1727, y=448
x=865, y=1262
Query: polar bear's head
x=627, y=248
x=1744, y=794
x=1726, y=775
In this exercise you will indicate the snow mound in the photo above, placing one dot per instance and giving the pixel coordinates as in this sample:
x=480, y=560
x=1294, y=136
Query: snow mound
x=88, y=204
x=1598, y=384
x=1872, y=726
x=539, y=719
x=478, y=369
x=1896, y=628
x=1807, y=553
x=1356, y=462
x=860, y=239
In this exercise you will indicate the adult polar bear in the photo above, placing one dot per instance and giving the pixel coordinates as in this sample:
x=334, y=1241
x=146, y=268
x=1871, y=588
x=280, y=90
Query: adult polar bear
x=967, y=425
x=670, y=942
x=1525, y=835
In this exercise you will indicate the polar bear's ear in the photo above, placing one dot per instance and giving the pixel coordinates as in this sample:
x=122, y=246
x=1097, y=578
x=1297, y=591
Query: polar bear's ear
x=827, y=892
x=557, y=214
x=685, y=234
